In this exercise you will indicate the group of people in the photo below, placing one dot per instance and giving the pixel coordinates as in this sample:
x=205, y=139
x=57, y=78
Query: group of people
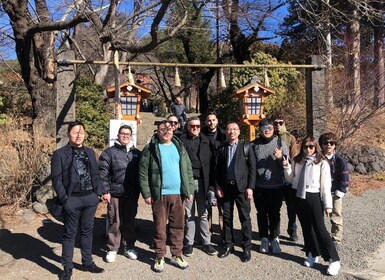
x=182, y=174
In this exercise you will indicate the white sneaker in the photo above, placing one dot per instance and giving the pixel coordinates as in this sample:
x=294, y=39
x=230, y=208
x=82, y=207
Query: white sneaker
x=275, y=248
x=111, y=256
x=334, y=268
x=310, y=261
x=132, y=254
x=264, y=248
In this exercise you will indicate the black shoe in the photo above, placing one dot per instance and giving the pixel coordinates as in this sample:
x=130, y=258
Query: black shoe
x=93, y=268
x=246, y=255
x=293, y=235
x=67, y=273
x=188, y=250
x=209, y=250
x=226, y=253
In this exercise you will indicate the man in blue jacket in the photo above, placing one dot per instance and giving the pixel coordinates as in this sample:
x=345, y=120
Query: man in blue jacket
x=75, y=177
x=340, y=182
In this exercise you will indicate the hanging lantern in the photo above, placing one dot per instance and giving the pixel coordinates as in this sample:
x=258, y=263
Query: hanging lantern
x=222, y=79
x=177, y=78
x=267, y=82
x=131, y=80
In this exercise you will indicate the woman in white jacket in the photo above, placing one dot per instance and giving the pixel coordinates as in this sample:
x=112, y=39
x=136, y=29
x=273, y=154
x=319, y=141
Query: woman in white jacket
x=310, y=176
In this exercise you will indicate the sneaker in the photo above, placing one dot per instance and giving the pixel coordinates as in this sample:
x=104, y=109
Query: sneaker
x=179, y=262
x=334, y=268
x=132, y=254
x=159, y=264
x=292, y=235
x=310, y=261
x=111, y=256
x=188, y=250
x=264, y=248
x=209, y=250
x=275, y=248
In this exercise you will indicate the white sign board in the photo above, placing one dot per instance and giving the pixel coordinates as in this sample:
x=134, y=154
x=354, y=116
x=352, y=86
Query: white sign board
x=114, y=129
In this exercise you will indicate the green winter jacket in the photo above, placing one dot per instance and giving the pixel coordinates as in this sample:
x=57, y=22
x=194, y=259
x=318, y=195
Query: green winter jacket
x=150, y=170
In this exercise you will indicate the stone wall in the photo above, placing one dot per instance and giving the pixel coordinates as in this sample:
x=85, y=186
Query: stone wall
x=365, y=159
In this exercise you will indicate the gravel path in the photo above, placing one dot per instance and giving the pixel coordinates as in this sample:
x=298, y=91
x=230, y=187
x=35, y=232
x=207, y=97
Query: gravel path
x=31, y=250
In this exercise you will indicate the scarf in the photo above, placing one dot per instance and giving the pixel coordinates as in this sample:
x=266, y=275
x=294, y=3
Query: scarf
x=305, y=178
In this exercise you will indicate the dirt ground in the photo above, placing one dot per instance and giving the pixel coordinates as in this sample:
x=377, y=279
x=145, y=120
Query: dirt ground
x=30, y=245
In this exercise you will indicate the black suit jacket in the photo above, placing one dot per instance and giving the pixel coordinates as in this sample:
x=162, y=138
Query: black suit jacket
x=65, y=176
x=244, y=169
x=204, y=157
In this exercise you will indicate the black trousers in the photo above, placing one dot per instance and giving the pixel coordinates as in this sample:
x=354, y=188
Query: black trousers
x=289, y=200
x=79, y=212
x=231, y=196
x=268, y=203
x=316, y=237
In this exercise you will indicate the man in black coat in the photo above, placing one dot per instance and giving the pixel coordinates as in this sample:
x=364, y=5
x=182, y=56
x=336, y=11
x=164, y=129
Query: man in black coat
x=119, y=175
x=217, y=137
x=199, y=151
x=235, y=181
x=75, y=177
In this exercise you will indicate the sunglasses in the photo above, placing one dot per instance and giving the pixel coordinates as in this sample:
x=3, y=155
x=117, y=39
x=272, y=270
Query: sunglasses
x=332, y=143
x=311, y=147
x=195, y=126
x=281, y=123
x=267, y=127
x=174, y=122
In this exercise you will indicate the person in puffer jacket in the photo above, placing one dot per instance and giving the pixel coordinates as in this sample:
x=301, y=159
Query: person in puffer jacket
x=119, y=173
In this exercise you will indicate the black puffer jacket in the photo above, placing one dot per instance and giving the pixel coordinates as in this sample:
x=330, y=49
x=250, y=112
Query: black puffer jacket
x=119, y=170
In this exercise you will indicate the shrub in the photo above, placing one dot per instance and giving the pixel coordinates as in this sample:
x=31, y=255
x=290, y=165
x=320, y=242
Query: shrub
x=93, y=112
x=24, y=157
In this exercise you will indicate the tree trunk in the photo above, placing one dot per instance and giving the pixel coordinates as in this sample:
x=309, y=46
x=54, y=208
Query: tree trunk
x=379, y=80
x=36, y=58
x=353, y=62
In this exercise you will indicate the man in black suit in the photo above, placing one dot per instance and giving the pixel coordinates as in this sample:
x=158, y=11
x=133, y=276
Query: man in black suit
x=75, y=177
x=238, y=164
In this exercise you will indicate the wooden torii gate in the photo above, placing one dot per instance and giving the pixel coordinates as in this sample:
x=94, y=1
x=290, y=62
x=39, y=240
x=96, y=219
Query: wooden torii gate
x=65, y=112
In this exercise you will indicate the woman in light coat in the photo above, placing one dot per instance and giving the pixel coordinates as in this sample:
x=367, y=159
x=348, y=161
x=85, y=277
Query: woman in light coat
x=310, y=176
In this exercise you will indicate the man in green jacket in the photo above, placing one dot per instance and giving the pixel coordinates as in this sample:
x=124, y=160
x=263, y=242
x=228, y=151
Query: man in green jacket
x=166, y=180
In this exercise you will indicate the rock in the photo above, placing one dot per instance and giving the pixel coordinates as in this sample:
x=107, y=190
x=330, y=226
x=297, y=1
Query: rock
x=44, y=193
x=360, y=168
x=39, y=208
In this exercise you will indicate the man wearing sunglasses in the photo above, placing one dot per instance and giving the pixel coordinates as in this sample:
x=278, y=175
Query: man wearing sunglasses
x=199, y=151
x=166, y=182
x=281, y=131
x=175, y=125
x=340, y=182
x=269, y=186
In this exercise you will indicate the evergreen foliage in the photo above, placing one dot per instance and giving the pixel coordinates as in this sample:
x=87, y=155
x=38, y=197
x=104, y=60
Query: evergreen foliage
x=93, y=112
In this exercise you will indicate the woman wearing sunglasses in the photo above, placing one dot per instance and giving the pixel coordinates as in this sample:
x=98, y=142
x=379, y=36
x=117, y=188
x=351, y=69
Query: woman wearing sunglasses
x=310, y=176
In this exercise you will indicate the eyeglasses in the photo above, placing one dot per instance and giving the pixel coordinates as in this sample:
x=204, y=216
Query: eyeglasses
x=173, y=122
x=332, y=143
x=165, y=129
x=281, y=123
x=195, y=126
x=267, y=127
x=310, y=147
x=125, y=134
